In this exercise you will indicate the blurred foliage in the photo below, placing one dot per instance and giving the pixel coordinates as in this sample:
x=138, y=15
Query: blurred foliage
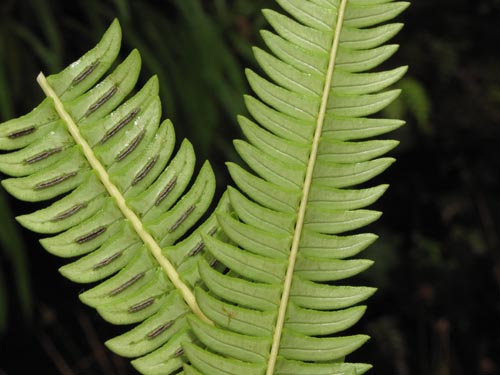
x=413, y=102
x=438, y=257
x=14, y=252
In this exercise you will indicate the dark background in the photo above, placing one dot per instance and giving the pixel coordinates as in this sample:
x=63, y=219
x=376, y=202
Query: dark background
x=437, y=267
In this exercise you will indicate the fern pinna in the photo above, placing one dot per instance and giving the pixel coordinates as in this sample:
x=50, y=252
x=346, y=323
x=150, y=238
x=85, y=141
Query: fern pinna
x=281, y=237
x=119, y=200
x=277, y=307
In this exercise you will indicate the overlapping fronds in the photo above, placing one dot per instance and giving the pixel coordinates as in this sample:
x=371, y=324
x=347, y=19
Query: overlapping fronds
x=121, y=201
x=285, y=239
x=282, y=303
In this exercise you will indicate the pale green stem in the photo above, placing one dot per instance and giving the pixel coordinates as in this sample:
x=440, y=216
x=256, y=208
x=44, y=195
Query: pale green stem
x=113, y=191
x=305, y=196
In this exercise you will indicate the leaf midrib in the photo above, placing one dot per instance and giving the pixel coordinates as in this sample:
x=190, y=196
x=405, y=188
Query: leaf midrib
x=113, y=191
x=305, y=195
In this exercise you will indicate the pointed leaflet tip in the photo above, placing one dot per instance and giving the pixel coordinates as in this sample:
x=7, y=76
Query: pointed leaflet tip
x=82, y=74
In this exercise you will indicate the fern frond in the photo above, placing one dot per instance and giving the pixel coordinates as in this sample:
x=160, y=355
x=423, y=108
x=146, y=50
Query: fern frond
x=121, y=200
x=280, y=308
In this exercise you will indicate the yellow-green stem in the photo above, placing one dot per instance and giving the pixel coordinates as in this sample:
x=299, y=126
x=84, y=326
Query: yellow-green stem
x=113, y=191
x=305, y=196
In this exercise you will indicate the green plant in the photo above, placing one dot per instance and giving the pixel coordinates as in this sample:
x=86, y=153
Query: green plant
x=256, y=287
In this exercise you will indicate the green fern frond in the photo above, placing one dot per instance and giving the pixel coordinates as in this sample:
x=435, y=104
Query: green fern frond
x=279, y=307
x=121, y=200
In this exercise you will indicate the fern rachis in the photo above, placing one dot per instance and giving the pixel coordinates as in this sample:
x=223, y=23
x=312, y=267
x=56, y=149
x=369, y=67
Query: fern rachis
x=119, y=199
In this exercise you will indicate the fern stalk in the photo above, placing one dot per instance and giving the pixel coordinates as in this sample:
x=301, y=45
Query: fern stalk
x=305, y=196
x=113, y=191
